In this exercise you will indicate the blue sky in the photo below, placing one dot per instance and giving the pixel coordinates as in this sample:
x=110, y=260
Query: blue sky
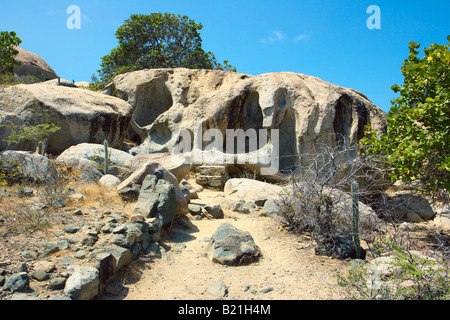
x=323, y=38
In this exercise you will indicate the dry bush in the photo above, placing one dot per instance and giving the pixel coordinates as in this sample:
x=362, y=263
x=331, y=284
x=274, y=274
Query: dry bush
x=318, y=199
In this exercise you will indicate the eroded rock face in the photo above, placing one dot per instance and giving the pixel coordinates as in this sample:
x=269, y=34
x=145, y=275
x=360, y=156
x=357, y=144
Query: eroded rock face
x=84, y=116
x=306, y=110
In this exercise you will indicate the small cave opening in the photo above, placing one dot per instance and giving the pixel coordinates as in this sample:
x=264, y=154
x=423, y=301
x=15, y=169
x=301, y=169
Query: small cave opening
x=343, y=120
x=288, y=142
x=245, y=113
x=152, y=100
x=345, y=110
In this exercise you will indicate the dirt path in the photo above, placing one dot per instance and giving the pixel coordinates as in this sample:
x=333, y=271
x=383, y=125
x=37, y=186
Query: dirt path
x=288, y=269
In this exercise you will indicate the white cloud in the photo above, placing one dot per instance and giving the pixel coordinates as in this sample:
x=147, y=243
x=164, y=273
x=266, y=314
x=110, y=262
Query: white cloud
x=275, y=36
x=301, y=37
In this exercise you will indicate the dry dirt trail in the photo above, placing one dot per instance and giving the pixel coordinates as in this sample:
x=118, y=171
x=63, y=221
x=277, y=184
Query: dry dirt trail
x=287, y=270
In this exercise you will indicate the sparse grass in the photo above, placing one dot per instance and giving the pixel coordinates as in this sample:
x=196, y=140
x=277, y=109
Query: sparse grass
x=96, y=194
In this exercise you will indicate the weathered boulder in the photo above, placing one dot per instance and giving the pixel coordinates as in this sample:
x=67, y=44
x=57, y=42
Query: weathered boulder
x=154, y=168
x=306, y=110
x=92, y=152
x=84, y=116
x=233, y=247
x=249, y=189
x=157, y=199
x=30, y=64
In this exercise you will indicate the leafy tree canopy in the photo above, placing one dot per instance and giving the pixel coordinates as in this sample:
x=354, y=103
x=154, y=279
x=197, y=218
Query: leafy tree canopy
x=8, y=42
x=417, y=141
x=158, y=41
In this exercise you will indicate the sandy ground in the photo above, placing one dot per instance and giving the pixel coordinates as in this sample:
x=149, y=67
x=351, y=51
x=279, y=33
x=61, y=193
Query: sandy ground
x=288, y=269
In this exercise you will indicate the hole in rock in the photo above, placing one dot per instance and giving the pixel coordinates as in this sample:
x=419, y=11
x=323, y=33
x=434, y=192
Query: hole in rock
x=245, y=113
x=152, y=99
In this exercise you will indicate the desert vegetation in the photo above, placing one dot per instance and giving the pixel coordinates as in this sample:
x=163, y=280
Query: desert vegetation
x=349, y=198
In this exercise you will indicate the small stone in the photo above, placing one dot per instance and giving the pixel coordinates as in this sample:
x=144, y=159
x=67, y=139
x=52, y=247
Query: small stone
x=49, y=247
x=30, y=255
x=57, y=283
x=137, y=218
x=39, y=275
x=111, y=220
x=80, y=254
x=260, y=202
x=215, y=211
x=120, y=229
x=106, y=229
x=24, y=297
x=266, y=290
x=71, y=229
x=63, y=244
x=218, y=290
x=58, y=297
x=78, y=213
x=120, y=240
x=195, y=209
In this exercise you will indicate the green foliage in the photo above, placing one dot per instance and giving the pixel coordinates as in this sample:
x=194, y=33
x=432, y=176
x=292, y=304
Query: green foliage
x=8, y=42
x=21, y=133
x=157, y=41
x=417, y=141
x=410, y=276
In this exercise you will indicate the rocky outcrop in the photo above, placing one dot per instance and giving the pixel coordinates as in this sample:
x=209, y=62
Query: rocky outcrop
x=30, y=64
x=307, y=111
x=83, y=116
x=170, y=188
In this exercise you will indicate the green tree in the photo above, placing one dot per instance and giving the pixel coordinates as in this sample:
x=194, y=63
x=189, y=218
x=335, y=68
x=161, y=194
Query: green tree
x=157, y=41
x=8, y=42
x=417, y=142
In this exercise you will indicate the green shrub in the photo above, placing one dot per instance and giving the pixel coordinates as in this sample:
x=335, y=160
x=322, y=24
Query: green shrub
x=416, y=144
x=8, y=42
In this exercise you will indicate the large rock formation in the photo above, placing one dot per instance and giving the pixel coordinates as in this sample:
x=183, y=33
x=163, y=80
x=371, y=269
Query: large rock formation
x=30, y=64
x=306, y=110
x=84, y=116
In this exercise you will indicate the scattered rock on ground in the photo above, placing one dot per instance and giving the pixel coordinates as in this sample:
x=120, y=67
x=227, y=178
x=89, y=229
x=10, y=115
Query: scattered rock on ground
x=233, y=247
